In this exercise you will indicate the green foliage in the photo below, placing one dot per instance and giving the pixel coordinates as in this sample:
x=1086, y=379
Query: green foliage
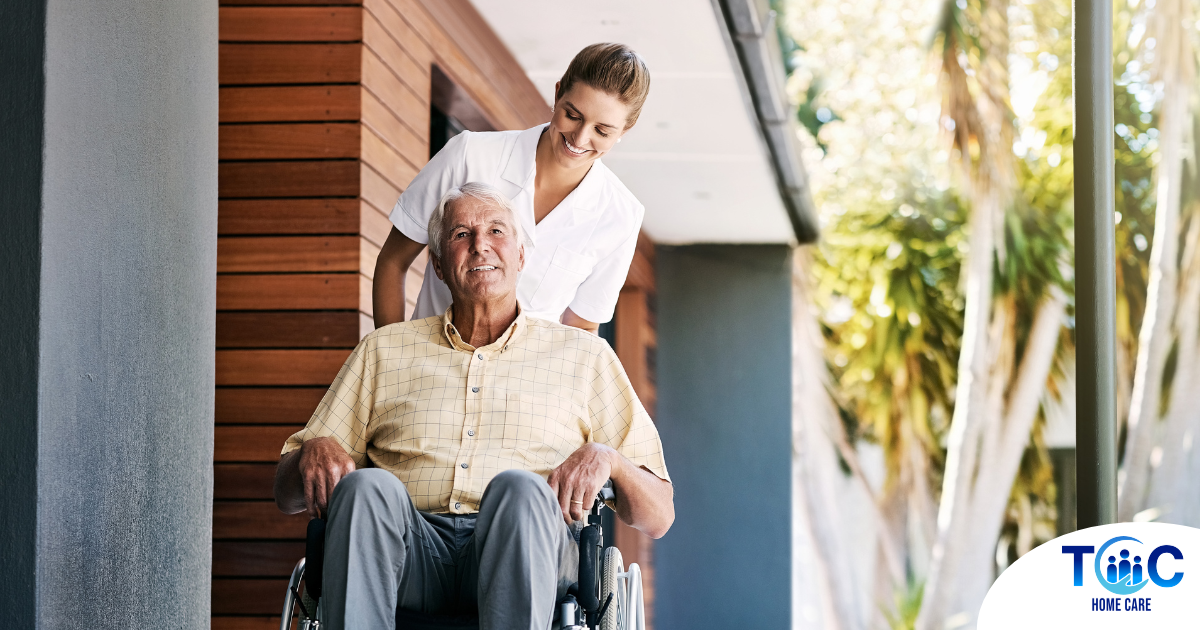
x=907, y=607
x=889, y=289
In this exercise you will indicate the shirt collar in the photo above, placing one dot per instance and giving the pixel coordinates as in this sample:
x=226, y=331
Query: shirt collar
x=521, y=168
x=516, y=331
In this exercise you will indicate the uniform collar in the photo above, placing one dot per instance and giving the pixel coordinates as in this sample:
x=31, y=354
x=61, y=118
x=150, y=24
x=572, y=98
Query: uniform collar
x=520, y=171
x=516, y=331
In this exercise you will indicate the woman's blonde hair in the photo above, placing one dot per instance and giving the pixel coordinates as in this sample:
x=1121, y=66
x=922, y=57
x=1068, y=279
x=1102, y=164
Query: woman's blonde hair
x=612, y=68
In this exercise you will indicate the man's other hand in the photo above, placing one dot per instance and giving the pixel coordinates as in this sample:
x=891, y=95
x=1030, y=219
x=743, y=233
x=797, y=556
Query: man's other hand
x=577, y=481
x=322, y=465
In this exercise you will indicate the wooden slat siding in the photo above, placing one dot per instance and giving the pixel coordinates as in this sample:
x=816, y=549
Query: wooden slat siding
x=287, y=329
x=374, y=225
x=377, y=190
x=368, y=253
x=234, y=3
x=383, y=121
x=466, y=73
x=241, y=254
x=256, y=520
x=287, y=216
x=244, y=481
x=239, y=444
x=290, y=24
x=641, y=269
x=392, y=53
x=316, y=291
x=364, y=295
x=293, y=103
x=279, y=367
x=241, y=596
x=289, y=64
x=401, y=31
x=386, y=160
x=315, y=178
x=412, y=110
x=267, y=405
x=289, y=141
x=255, y=559
x=480, y=44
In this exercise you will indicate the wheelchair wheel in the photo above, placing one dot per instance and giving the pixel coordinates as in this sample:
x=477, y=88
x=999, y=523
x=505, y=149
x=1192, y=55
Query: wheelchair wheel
x=610, y=583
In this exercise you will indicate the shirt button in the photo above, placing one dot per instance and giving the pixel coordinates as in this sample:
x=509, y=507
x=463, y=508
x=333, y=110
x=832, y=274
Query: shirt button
x=464, y=464
x=469, y=432
x=480, y=355
x=457, y=505
x=474, y=390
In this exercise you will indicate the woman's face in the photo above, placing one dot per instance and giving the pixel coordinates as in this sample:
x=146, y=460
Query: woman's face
x=586, y=124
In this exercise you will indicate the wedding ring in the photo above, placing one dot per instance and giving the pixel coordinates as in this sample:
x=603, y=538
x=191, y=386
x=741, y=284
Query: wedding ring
x=579, y=502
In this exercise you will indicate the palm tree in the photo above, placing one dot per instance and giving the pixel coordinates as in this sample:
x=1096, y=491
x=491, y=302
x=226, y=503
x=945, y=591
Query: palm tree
x=1149, y=481
x=1000, y=380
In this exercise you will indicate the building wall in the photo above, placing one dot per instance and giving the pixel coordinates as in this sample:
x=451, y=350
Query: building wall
x=123, y=275
x=724, y=412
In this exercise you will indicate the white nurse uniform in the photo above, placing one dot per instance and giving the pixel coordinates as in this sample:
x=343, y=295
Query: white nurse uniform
x=578, y=255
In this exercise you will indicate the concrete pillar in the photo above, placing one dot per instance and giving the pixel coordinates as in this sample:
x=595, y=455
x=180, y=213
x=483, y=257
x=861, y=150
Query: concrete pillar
x=108, y=180
x=725, y=415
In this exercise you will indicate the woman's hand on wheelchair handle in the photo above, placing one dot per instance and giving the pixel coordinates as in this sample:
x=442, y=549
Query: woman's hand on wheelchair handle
x=577, y=481
x=322, y=465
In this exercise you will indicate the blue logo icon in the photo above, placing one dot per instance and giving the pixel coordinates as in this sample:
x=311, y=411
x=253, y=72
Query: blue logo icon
x=1121, y=572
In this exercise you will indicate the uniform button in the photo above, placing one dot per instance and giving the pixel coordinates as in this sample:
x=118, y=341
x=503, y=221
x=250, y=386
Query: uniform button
x=464, y=464
x=457, y=505
x=469, y=432
x=474, y=390
x=480, y=355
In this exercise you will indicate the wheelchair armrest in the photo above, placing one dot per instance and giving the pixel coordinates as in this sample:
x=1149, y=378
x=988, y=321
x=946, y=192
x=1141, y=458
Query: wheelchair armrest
x=314, y=557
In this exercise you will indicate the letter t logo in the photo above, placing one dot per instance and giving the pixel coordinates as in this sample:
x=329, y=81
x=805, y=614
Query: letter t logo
x=1077, y=553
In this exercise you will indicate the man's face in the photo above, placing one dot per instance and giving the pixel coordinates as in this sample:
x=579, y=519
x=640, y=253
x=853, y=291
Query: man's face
x=481, y=255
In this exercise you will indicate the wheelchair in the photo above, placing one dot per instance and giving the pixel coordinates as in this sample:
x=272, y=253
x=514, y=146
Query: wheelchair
x=607, y=596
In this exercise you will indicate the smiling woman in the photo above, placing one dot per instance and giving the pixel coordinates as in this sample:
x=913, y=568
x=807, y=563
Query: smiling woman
x=581, y=224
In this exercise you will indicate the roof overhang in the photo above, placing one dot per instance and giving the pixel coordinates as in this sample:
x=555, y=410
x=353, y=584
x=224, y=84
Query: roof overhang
x=713, y=156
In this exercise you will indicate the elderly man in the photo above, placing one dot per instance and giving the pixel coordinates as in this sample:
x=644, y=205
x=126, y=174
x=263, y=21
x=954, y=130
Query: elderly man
x=452, y=455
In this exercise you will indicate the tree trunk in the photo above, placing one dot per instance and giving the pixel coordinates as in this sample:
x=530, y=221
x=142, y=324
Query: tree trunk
x=1176, y=68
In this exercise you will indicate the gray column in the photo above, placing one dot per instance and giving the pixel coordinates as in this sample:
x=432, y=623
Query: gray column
x=725, y=415
x=108, y=167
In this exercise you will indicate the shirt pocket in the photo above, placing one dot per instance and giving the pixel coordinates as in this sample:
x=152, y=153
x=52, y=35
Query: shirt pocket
x=566, y=272
x=543, y=430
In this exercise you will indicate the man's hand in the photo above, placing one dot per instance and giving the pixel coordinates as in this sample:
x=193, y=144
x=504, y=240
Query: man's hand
x=577, y=481
x=310, y=474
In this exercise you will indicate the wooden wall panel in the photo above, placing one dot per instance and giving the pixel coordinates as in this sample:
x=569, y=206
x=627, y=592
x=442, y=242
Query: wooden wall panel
x=256, y=520
x=279, y=367
x=243, y=596
x=289, y=103
x=267, y=405
x=290, y=24
x=238, y=254
x=256, y=559
x=312, y=178
x=244, y=217
x=241, y=444
x=291, y=291
x=384, y=122
x=274, y=64
x=244, y=481
x=296, y=141
x=287, y=329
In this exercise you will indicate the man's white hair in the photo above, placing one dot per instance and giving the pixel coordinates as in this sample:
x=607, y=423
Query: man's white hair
x=482, y=192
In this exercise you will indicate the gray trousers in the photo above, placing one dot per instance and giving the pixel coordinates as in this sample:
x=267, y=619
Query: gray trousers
x=510, y=562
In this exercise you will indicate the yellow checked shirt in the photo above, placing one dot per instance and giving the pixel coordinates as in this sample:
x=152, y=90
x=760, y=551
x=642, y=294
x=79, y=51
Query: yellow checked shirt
x=416, y=400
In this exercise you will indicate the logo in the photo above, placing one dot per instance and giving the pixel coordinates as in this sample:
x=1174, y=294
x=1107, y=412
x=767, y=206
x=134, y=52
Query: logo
x=1101, y=578
x=1125, y=576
